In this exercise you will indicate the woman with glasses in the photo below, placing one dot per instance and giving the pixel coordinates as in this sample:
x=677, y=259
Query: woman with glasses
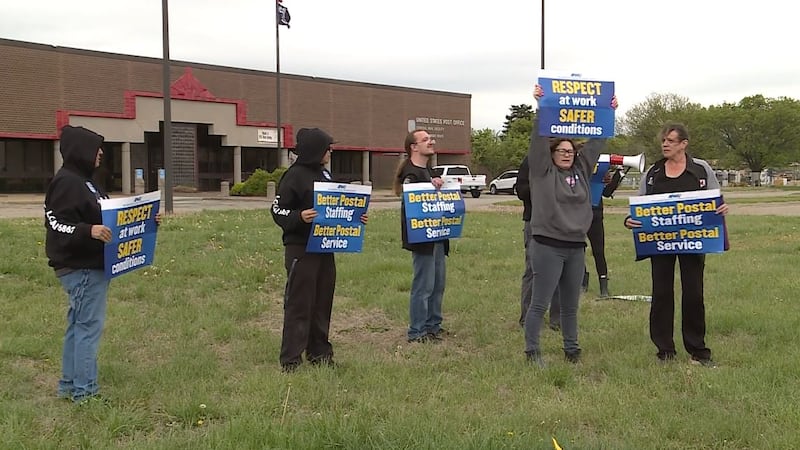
x=561, y=214
x=677, y=171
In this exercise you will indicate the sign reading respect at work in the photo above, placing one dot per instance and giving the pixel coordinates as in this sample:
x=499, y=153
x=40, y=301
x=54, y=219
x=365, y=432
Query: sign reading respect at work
x=338, y=227
x=681, y=222
x=132, y=221
x=574, y=106
x=433, y=214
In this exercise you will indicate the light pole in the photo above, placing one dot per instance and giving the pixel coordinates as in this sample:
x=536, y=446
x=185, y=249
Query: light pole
x=278, y=76
x=167, y=146
x=542, y=39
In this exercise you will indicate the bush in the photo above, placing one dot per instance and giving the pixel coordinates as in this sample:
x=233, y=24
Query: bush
x=256, y=184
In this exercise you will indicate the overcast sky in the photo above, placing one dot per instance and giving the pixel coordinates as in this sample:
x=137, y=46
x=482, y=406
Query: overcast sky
x=710, y=51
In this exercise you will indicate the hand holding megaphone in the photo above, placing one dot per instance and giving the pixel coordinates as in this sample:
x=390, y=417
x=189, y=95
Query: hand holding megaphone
x=634, y=162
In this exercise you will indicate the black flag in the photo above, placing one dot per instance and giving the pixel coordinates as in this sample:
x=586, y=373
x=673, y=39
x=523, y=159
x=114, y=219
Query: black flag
x=283, y=16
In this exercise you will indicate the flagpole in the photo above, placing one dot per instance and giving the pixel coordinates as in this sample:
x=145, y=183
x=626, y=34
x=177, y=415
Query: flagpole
x=542, y=40
x=167, y=145
x=278, y=79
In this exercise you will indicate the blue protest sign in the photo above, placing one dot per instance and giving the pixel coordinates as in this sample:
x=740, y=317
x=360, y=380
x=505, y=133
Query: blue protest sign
x=431, y=214
x=681, y=222
x=575, y=107
x=338, y=227
x=133, y=230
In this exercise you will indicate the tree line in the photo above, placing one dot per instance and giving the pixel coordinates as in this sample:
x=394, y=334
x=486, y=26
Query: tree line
x=756, y=133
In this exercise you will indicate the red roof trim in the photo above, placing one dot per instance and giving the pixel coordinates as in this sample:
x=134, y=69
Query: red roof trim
x=187, y=87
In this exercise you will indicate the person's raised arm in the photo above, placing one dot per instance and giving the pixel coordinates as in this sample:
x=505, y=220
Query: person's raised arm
x=539, y=159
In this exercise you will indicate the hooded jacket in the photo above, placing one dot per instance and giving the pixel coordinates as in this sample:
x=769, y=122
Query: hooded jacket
x=296, y=186
x=561, y=207
x=71, y=205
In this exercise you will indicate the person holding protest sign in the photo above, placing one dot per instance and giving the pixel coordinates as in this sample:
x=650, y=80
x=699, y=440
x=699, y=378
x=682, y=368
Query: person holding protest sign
x=310, y=277
x=526, y=290
x=560, y=217
x=428, y=258
x=677, y=171
x=597, y=233
x=74, y=244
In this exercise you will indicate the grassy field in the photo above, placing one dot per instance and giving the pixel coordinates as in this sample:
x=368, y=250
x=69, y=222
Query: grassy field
x=189, y=355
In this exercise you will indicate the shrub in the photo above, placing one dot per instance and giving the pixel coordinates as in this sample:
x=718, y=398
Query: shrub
x=256, y=184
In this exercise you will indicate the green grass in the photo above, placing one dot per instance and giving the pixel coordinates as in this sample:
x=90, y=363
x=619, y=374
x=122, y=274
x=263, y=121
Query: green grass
x=189, y=355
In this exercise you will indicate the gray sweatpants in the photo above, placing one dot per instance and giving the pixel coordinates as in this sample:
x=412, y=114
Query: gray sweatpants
x=555, y=267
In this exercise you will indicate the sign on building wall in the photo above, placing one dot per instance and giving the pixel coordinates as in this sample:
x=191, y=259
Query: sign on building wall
x=267, y=136
x=435, y=126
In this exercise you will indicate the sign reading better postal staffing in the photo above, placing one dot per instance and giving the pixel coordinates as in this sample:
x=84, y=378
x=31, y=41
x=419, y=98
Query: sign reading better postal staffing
x=681, y=222
x=575, y=106
x=337, y=227
x=433, y=214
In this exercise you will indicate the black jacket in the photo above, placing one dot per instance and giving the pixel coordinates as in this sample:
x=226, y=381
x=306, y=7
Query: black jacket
x=524, y=188
x=296, y=187
x=697, y=168
x=71, y=205
x=416, y=174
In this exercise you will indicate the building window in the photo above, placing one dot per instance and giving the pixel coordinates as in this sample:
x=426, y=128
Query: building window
x=26, y=165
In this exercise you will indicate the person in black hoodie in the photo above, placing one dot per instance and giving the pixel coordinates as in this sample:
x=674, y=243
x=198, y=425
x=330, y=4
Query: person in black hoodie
x=74, y=246
x=526, y=290
x=428, y=258
x=310, y=277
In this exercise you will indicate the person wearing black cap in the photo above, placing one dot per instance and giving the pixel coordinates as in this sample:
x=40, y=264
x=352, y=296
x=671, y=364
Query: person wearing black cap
x=74, y=244
x=310, y=277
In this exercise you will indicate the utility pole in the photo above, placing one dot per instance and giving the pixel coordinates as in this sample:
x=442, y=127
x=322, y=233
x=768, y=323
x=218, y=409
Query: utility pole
x=278, y=76
x=542, y=40
x=167, y=147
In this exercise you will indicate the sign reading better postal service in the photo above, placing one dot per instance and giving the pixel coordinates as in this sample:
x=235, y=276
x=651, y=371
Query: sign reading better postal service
x=337, y=227
x=681, y=222
x=433, y=214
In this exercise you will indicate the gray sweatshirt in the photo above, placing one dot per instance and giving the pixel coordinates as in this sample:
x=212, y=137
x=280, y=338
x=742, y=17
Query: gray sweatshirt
x=561, y=199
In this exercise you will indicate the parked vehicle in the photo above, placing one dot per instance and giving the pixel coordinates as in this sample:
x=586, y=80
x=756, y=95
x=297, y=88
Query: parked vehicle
x=505, y=182
x=460, y=174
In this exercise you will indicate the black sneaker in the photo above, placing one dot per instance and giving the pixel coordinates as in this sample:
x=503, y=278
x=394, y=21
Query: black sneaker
x=435, y=338
x=419, y=339
x=705, y=362
x=665, y=357
x=555, y=326
x=441, y=333
x=535, y=358
x=290, y=367
x=573, y=357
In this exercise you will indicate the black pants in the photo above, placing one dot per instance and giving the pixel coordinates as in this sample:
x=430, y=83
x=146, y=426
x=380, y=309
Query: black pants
x=597, y=240
x=307, y=305
x=693, y=311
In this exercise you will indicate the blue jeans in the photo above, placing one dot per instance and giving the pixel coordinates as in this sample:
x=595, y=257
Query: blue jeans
x=87, y=291
x=427, y=291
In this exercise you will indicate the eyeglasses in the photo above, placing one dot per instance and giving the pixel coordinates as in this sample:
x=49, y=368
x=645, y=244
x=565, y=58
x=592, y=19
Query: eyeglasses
x=565, y=151
x=426, y=139
x=672, y=141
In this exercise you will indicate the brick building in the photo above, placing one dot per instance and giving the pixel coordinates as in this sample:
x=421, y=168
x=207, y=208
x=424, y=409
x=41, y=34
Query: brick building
x=223, y=119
